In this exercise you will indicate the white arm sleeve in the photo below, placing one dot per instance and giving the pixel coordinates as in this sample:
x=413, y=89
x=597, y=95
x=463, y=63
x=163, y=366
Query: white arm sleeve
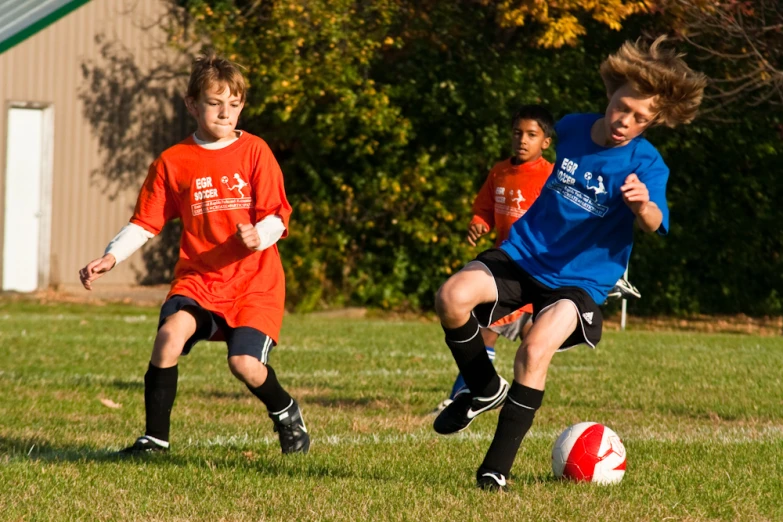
x=127, y=241
x=269, y=229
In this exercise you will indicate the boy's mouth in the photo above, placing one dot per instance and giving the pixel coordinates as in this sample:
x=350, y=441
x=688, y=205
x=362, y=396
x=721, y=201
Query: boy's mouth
x=617, y=136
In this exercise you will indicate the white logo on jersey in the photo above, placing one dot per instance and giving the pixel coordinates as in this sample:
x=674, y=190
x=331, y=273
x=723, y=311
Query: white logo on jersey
x=600, y=189
x=519, y=199
x=500, y=191
x=238, y=187
x=588, y=317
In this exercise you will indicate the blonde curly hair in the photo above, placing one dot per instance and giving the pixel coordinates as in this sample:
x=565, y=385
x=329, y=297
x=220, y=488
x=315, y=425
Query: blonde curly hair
x=660, y=73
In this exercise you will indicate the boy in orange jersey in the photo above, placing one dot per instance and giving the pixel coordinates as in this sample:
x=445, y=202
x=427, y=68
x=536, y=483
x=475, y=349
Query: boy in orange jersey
x=227, y=188
x=511, y=187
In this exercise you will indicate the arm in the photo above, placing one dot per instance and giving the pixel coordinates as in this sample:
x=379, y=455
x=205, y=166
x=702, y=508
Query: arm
x=130, y=238
x=483, y=212
x=262, y=236
x=635, y=194
x=271, y=205
x=153, y=208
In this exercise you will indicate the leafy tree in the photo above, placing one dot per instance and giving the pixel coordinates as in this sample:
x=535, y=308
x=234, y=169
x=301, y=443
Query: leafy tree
x=387, y=115
x=560, y=21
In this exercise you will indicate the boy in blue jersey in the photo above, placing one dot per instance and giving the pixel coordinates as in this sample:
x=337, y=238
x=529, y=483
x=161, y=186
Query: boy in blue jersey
x=565, y=254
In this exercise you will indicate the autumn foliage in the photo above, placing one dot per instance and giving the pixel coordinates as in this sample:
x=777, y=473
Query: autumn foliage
x=386, y=116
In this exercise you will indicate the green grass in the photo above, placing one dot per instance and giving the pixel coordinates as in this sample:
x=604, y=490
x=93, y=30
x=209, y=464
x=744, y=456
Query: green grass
x=701, y=417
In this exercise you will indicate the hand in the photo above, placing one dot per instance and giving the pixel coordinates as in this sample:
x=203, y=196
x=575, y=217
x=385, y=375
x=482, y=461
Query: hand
x=475, y=231
x=635, y=194
x=96, y=269
x=248, y=235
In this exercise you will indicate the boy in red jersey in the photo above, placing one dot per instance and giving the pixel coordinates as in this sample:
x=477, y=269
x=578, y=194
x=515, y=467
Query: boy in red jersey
x=510, y=188
x=227, y=188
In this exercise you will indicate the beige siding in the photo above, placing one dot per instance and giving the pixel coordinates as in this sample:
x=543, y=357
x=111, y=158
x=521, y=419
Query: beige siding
x=46, y=68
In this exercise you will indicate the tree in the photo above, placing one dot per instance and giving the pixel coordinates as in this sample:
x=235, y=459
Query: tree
x=743, y=39
x=560, y=20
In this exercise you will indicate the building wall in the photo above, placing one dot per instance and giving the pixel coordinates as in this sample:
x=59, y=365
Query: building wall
x=47, y=68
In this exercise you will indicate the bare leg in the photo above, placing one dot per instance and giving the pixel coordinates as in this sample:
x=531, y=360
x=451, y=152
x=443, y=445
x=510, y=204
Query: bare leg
x=454, y=303
x=552, y=327
x=160, y=382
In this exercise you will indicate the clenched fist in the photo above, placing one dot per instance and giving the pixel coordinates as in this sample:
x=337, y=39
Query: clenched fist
x=635, y=194
x=475, y=231
x=248, y=235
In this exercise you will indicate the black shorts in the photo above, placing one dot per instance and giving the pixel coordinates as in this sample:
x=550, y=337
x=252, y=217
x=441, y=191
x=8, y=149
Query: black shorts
x=242, y=340
x=516, y=288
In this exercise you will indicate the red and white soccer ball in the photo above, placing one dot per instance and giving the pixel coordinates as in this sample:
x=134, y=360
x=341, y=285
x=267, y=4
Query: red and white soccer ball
x=589, y=452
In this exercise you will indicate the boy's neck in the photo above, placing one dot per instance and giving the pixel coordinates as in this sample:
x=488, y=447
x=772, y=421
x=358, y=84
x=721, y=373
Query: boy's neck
x=519, y=161
x=216, y=145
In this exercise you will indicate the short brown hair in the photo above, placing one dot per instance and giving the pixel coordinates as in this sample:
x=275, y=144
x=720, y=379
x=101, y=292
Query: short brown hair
x=658, y=72
x=210, y=69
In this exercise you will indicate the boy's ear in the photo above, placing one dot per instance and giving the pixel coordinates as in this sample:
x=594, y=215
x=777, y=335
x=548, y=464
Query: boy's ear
x=190, y=105
x=546, y=143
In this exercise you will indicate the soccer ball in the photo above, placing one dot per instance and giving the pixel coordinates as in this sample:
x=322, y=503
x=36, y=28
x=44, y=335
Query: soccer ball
x=589, y=452
x=224, y=180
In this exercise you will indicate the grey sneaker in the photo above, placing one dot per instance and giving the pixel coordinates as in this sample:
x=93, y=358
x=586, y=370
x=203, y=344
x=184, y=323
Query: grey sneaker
x=623, y=289
x=291, y=429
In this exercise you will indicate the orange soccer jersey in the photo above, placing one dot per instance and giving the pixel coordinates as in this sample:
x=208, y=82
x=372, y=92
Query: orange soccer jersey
x=505, y=196
x=212, y=191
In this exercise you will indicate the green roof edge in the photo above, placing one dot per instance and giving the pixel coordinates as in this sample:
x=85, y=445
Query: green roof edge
x=41, y=24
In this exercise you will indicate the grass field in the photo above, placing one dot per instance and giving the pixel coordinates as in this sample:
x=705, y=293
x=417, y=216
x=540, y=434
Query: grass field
x=701, y=417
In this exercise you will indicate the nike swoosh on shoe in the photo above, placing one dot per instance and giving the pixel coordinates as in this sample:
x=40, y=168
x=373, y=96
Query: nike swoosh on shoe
x=492, y=401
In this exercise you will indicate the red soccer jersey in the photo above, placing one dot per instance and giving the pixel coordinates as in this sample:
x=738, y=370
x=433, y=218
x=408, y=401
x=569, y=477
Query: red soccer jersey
x=212, y=191
x=505, y=196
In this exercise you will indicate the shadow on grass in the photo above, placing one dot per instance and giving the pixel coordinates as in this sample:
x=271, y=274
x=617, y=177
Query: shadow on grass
x=326, y=401
x=45, y=451
x=238, y=394
x=127, y=385
x=265, y=464
x=530, y=479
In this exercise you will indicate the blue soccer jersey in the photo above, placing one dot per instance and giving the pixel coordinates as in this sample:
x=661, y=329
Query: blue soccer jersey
x=579, y=232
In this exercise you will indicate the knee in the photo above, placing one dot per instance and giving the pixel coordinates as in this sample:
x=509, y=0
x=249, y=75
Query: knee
x=247, y=369
x=534, y=356
x=168, y=346
x=453, y=300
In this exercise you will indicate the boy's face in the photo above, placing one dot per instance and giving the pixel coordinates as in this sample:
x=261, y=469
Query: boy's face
x=528, y=140
x=627, y=116
x=216, y=111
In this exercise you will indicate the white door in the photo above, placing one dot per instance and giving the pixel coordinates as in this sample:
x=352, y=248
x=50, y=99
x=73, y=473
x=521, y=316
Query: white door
x=25, y=161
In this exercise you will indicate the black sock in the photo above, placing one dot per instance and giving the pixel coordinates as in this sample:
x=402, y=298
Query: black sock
x=515, y=420
x=274, y=397
x=467, y=347
x=160, y=389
